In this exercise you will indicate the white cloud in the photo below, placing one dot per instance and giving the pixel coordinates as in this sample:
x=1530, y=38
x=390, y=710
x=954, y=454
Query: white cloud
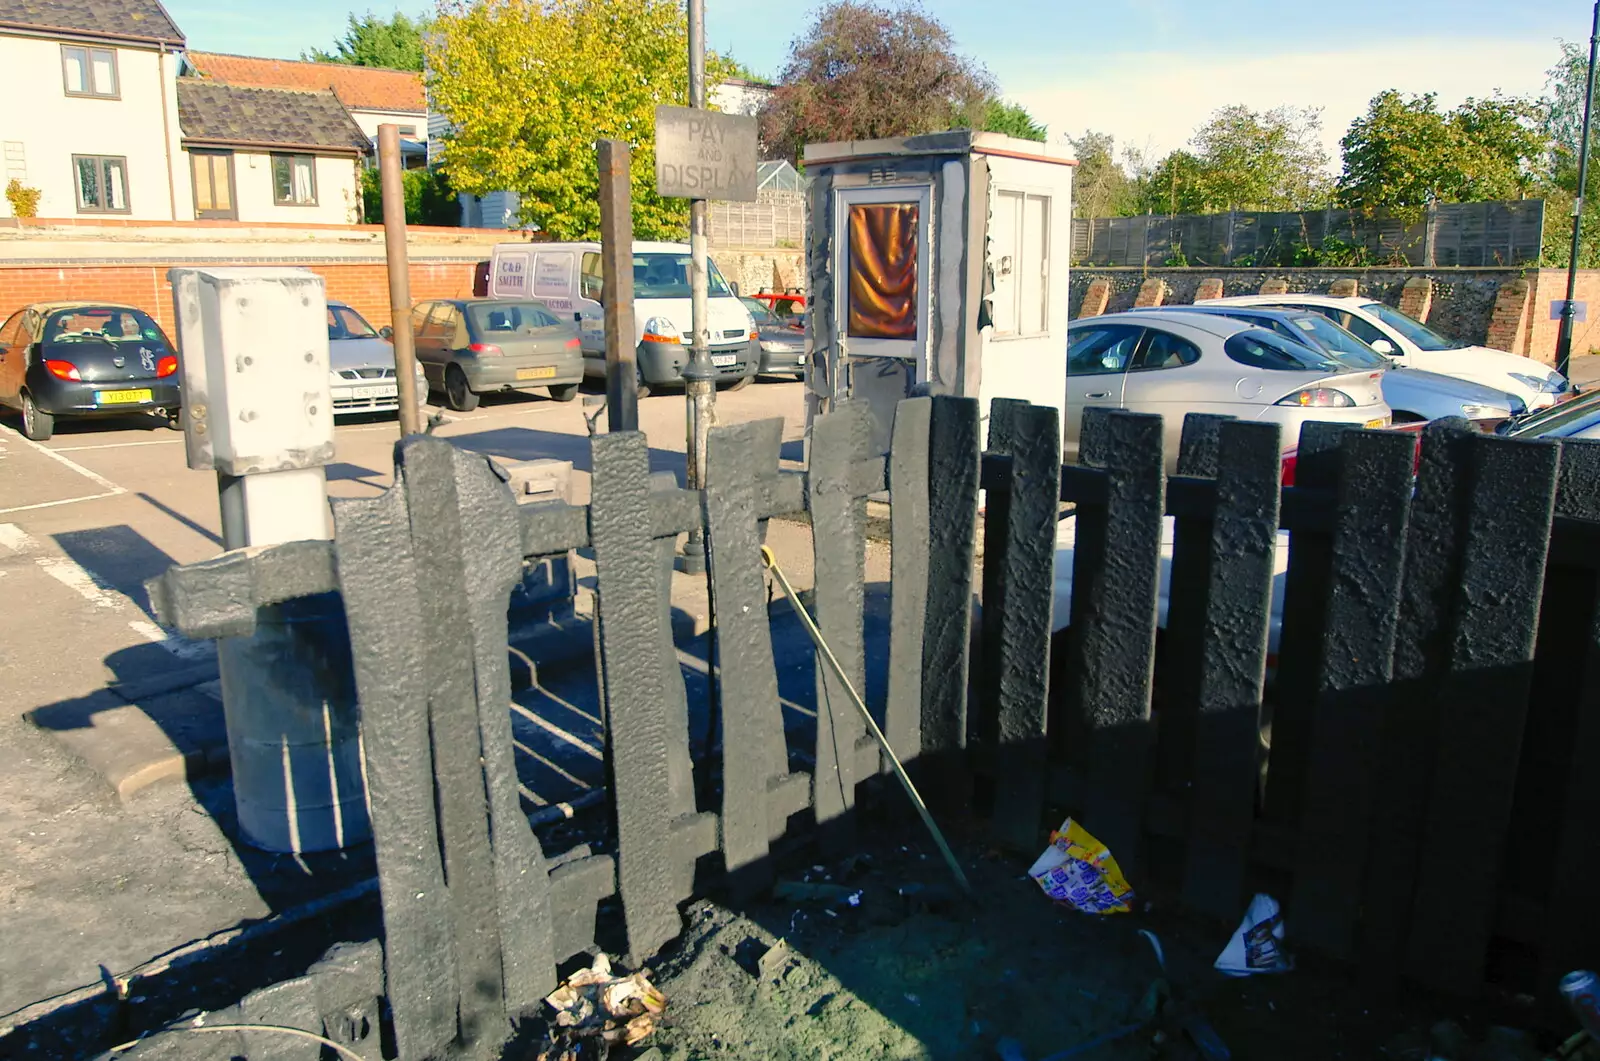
x=1155, y=100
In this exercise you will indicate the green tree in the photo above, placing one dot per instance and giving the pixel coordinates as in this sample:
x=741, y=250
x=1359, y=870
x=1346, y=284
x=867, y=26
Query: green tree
x=1405, y=152
x=1101, y=187
x=1242, y=159
x=865, y=70
x=395, y=43
x=529, y=86
x=1012, y=119
x=429, y=198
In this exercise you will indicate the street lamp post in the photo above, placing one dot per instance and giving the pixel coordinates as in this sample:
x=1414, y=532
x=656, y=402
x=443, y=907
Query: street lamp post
x=1564, y=340
x=699, y=376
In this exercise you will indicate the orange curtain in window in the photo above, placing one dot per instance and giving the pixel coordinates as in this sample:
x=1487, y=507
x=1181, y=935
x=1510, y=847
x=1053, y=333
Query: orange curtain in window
x=883, y=271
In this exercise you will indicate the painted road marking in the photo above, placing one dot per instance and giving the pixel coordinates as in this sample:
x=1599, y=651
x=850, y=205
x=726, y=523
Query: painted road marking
x=557, y=731
x=97, y=592
x=116, y=445
x=64, y=501
x=95, y=477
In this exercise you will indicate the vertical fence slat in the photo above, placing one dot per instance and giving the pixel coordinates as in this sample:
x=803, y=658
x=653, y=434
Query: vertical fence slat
x=1178, y=679
x=1116, y=569
x=522, y=884
x=1305, y=614
x=838, y=531
x=908, y=575
x=1022, y=624
x=753, y=750
x=1572, y=917
x=652, y=862
x=1486, y=696
x=377, y=575
x=438, y=534
x=1227, y=723
x=984, y=718
x=1356, y=668
x=1406, y=741
x=953, y=469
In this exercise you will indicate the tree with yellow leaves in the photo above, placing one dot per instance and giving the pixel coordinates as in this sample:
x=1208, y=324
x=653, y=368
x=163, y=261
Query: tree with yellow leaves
x=530, y=85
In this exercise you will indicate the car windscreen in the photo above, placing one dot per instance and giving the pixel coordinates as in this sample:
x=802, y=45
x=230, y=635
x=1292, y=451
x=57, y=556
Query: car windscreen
x=1337, y=342
x=666, y=275
x=346, y=323
x=505, y=317
x=1561, y=420
x=1259, y=348
x=115, y=324
x=1418, y=333
x=759, y=311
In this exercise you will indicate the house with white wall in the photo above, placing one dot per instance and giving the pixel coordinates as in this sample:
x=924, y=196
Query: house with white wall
x=372, y=95
x=91, y=112
x=271, y=154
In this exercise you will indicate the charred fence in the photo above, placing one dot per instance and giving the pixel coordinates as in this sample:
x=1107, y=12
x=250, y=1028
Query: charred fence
x=1427, y=808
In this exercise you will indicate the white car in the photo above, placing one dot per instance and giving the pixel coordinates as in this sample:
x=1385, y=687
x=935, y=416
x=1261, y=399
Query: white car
x=1412, y=344
x=1173, y=363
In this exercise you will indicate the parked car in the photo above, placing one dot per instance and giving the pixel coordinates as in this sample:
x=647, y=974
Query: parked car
x=361, y=365
x=569, y=279
x=1175, y=363
x=471, y=346
x=69, y=359
x=1578, y=418
x=783, y=345
x=1413, y=344
x=788, y=307
x=1413, y=394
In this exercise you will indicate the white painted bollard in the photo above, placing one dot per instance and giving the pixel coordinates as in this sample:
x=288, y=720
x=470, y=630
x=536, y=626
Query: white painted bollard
x=258, y=410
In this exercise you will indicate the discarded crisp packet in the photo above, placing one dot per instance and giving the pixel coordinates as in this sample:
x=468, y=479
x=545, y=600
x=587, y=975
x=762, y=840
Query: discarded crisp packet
x=1257, y=944
x=1078, y=869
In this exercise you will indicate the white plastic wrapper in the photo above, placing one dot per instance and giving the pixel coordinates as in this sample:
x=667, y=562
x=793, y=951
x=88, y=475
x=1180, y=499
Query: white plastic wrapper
x=1257, y=944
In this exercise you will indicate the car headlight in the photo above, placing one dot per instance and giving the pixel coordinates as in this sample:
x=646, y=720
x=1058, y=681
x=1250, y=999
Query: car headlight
x=1482, y=412
x=662, y=330
x=1551, y=384
x=773, y=347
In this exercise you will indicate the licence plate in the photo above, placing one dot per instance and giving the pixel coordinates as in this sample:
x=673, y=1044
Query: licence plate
x=386, y=391
x=546, y=372
x=724, y=360
x=1382, y=421
x=121, y=397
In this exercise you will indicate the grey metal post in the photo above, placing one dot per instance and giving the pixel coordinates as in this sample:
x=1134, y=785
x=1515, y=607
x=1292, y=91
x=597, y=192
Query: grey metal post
x=394, y=245
x=699, y=375
x=1564, y=339
x=615, y=160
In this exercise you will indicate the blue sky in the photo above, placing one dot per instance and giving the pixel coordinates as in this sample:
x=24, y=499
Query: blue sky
x=1146, y=71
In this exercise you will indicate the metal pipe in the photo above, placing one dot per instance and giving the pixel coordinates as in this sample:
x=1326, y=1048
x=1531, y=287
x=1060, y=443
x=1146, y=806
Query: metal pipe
x=394, y=245
x=615, y=160
x=771, y=563
x=1564, y=339
x=700, y=386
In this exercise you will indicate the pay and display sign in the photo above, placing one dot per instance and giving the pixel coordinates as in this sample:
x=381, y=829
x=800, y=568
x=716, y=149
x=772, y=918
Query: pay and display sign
x=705, y=155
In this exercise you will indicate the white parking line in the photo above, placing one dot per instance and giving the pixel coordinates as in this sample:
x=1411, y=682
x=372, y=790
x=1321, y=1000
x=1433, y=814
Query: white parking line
x=63, y=501
x=117, y=445
x=91, y=588
x=75, y=466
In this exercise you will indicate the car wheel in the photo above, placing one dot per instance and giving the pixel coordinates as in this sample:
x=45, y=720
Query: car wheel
x=1403, y=417
x=564, y=392
x=457, y=394
x=638, y=375
x=739, y=384
x=37, y=425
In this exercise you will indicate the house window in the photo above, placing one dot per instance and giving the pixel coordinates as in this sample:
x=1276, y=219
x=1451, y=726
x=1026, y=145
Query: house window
x=89, y=71
x=408, y=130
x=102, y=184
x=294, y=180
x=213, y=184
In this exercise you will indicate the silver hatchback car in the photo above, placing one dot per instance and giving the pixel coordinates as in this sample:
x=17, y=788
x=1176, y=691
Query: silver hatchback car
x=1173, y=364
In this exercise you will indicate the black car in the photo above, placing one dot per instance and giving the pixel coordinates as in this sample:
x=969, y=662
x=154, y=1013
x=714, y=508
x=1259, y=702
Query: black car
x=85, y=359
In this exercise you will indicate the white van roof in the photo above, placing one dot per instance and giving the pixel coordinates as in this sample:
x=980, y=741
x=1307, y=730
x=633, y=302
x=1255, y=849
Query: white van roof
x=639, y=246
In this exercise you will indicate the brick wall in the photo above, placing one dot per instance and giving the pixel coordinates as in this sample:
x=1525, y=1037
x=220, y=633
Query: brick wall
x=363, y=285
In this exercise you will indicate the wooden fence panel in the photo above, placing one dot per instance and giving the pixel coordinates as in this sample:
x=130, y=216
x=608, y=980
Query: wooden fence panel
x=1486, y=693
x=1227, y=728
x=1116, y=570
x=1354, y=687
x=1021, y=645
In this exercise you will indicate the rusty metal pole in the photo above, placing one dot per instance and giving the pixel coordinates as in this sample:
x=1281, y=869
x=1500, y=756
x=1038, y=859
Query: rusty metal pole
x=616, y=265
x=394, y=245
x=700, y=377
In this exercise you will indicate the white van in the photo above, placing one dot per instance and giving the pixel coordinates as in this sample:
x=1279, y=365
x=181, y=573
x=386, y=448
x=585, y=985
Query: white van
x=567, y=278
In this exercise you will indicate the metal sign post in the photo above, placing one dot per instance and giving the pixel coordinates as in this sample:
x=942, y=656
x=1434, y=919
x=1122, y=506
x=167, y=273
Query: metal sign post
x=616, y=265
x=701, y=155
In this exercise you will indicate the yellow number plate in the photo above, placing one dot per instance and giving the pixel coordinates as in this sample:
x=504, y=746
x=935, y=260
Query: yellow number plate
x=536, y=373
x=1382, y=421
x=121, y=397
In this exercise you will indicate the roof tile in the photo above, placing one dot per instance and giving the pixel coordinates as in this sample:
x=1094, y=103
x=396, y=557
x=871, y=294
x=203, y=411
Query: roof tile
x=142, y=20
x=238, y=114
x=358, y=87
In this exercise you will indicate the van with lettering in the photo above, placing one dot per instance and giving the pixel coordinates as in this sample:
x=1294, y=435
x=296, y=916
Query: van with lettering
x=569, y=280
